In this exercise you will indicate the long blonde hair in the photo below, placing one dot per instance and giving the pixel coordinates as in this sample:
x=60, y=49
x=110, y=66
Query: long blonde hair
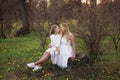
x=67, y=30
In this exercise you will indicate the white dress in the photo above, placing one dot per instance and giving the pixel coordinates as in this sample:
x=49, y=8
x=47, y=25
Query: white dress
x=65, y=53
x=55, y=42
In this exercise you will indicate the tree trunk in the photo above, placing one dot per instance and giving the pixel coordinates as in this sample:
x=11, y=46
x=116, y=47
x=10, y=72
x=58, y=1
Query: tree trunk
x=2, y=35
x=92, y=43
x=25, y=20
x=119, y=16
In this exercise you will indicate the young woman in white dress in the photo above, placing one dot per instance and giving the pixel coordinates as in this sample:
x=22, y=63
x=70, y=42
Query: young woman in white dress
x=52, y=52
x=67, y=46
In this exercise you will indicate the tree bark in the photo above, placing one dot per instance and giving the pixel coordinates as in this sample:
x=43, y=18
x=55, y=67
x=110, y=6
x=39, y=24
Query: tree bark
x=2, y=35
x=25, y=19
x=93, y=46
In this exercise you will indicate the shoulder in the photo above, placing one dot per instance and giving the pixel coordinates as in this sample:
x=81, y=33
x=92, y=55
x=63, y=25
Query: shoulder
x=52, y=36
x=71, y=35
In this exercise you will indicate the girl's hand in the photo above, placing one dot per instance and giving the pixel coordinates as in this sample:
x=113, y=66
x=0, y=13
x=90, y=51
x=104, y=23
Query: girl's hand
x=49, y=46
x=58, y=50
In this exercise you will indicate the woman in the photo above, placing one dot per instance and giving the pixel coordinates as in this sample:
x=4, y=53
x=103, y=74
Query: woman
x=67, y=46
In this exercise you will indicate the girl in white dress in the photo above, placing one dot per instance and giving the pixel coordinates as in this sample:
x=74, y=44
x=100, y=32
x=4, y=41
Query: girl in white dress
x=54, y=49
x=67, y=46
x=50, y=52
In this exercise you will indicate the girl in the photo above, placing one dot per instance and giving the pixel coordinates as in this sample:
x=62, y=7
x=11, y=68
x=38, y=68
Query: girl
x=50, y=52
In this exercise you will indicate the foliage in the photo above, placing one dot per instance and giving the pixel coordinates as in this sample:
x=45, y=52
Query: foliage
x=42, y=31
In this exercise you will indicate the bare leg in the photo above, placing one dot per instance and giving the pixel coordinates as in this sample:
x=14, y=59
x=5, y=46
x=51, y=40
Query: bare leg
x=43, y=59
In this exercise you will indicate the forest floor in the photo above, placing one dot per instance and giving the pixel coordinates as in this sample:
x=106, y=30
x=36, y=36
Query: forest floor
x=16, y=53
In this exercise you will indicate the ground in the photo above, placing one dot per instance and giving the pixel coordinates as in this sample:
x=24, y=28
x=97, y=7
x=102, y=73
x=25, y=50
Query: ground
x=15, y=53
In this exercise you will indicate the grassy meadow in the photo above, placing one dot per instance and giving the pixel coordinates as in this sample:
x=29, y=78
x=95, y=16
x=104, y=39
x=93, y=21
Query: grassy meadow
x=15, y=53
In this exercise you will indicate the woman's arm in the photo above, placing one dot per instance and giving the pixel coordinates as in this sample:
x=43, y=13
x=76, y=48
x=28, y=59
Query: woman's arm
x=73, y=45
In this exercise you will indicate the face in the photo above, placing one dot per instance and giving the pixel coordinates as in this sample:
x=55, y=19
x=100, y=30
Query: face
x=57, y=29
x=62, y=28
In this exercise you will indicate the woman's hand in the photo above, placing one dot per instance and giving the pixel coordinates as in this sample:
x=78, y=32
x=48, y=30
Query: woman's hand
x=73, y=57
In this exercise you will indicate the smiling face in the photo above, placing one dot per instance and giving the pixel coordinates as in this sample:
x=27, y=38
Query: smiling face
x=64, y=29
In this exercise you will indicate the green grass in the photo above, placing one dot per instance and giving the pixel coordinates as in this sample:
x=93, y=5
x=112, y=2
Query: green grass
x=16, y=53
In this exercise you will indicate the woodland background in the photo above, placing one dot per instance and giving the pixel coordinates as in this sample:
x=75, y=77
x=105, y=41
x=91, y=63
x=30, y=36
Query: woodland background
x=24, y=36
